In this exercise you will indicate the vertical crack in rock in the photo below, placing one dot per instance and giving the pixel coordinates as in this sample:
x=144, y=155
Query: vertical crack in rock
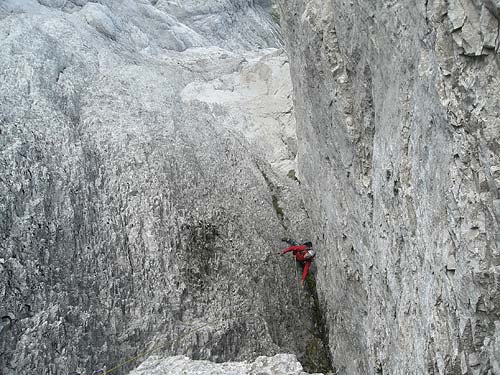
x=318, y=357
x=274, y=196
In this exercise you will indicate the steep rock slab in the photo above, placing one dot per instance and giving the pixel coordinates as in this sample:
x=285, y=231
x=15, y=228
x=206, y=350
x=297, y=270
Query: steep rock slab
x=258, y=98
x=397, y=111
x=131, y=213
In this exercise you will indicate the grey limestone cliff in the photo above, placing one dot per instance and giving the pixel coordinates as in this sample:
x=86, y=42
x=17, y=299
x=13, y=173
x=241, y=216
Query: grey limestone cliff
x=147, y=172
x=151, y=157
x=398, y=117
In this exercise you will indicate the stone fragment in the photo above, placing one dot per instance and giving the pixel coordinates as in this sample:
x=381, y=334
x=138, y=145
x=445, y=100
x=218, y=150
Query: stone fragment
x=471, y=39
x=473, y=360
x=97, y=16
x=489, y=28
x=451, y=264
x=456, y=14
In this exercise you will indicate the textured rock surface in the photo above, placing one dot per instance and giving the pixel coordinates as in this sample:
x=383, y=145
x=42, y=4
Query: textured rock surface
x=398, y=112
x=281, y=364
x=146, y=175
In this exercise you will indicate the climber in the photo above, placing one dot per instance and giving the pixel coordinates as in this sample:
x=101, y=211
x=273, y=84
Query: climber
x=304, y=254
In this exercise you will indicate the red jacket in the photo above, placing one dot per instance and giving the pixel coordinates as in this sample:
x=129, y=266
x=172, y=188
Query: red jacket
x=300, y=252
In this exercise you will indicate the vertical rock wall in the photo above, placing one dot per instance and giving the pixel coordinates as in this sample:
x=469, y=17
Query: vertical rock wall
x=136, y=211
x=398, y=117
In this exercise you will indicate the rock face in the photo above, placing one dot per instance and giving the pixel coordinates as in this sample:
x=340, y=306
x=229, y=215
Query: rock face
x=281, y=364
x=397, y=109
x=147, y=172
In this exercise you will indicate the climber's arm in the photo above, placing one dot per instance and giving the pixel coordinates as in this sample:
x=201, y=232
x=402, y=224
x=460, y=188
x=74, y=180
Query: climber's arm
x=293, y=248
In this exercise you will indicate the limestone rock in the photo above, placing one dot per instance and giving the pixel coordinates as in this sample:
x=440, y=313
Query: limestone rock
x=397, y=109
x=98, y=16
x=134, y=209
x=280, y=364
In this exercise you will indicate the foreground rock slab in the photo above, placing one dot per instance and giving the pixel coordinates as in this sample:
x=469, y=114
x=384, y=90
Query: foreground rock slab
x=280, y=364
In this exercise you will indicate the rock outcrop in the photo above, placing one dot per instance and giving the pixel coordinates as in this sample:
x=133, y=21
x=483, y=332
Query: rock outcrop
x=281, y=364
x=397, y=109
x=147, y=172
